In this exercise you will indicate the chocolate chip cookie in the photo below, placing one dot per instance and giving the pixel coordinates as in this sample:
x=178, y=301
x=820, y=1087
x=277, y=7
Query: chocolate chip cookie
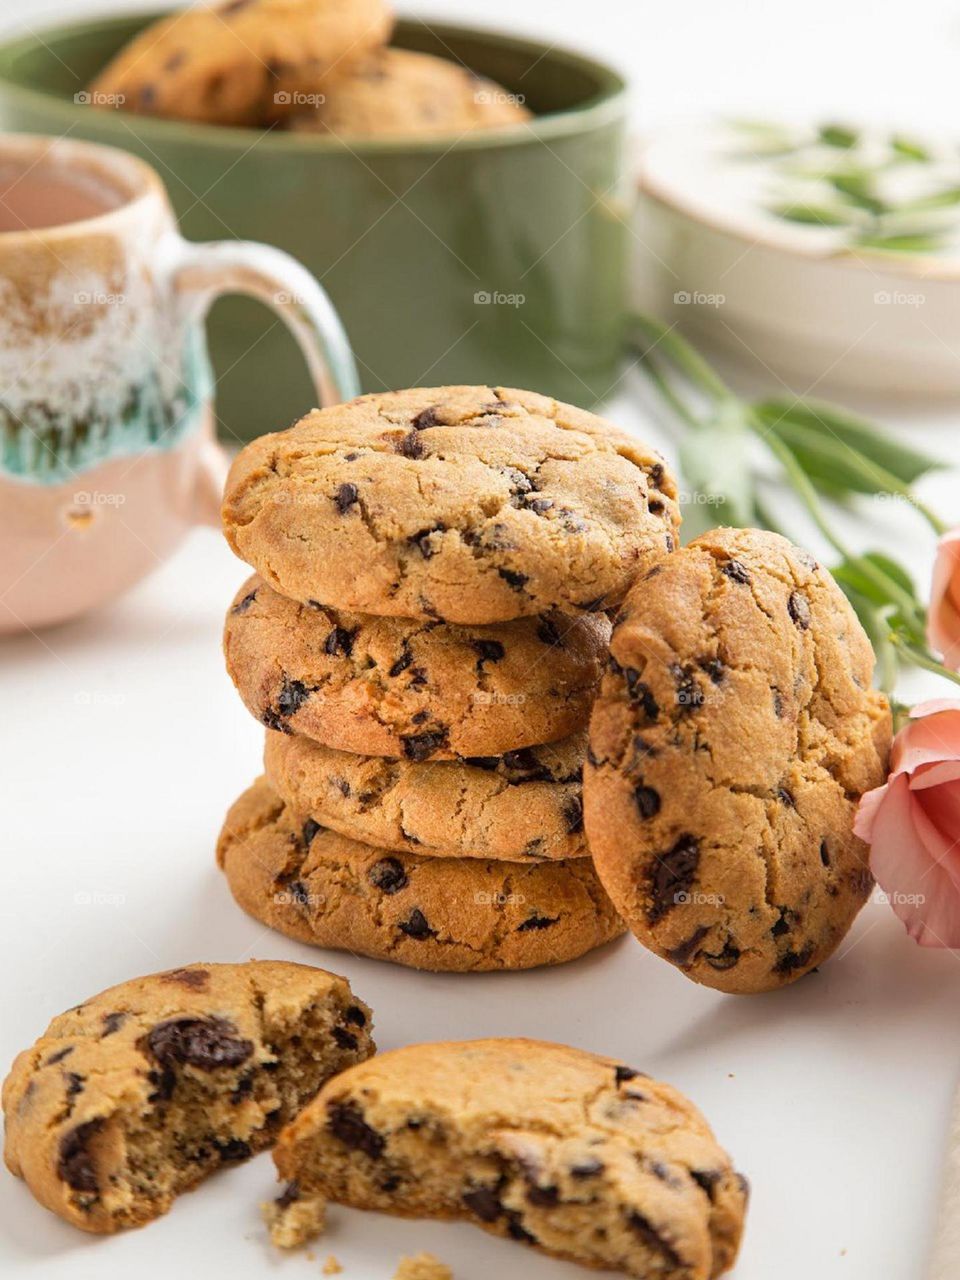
x=463, y=504
x=578, y=1155
x=734, y=735
x=139, y=1093
x=444, y=914
x=384, y=686
x=394, y=92
x=241, y=62
x=523, y=806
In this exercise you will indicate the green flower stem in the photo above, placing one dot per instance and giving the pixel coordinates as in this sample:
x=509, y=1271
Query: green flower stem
x=922, y=658
x=680, y=408
x=683, y=355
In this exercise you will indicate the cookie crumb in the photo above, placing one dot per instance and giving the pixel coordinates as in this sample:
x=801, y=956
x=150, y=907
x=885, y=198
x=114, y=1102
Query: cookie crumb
x=332, y=1265
x=293, y=1221
x=424, y=1266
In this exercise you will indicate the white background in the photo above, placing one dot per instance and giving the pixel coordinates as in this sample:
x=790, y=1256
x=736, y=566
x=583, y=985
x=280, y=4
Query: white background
x=123, y=743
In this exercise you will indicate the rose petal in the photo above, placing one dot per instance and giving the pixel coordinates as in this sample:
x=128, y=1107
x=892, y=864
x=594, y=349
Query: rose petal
x=867, y=810
x=928, y=740
x=943, y=621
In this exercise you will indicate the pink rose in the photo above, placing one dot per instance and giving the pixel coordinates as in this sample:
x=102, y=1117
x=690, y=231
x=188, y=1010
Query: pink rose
x=943, y=626
x=912, y=824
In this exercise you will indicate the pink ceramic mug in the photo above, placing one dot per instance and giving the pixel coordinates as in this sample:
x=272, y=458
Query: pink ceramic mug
x=107, y=446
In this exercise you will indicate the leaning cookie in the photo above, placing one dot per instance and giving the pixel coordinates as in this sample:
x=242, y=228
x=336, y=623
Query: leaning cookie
x=381, y=686
x=461, y=504
x=733, y=737
x=395, y=92
x=524, y=806
x=577, y=1155
x=440, y=914
x=241, y=62
x=138, y=1094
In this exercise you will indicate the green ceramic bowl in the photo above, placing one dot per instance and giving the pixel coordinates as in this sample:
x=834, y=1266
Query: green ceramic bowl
x=497, y=257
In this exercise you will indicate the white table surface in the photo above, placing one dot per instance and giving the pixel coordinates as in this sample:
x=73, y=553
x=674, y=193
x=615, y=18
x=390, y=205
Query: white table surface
x=123, y=742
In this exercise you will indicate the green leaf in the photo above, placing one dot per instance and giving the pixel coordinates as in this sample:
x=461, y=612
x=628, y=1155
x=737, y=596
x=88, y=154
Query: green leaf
x=853, y=579
x=909, y=148
x=901, y=243
x=715, y=464
x=813, y=214
x=838, y=135
x=839, y=450
x=858, y=188
x=946, y=198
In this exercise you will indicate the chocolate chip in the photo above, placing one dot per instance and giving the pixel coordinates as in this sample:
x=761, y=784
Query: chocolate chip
x=573, y=815
x=390, y=1183
x=345, y=1121
x=707, y=1179
x=345, y=1039
x=799, y=610
x=672, y=874
x=206, y=1043
x=536, y=922
x=791, y=960
x=355, y=1015
x=74, y=1162
x=648, y=800
x=401, y=664
x=422, y=541
x=421, y=746
x=539, y=506
x=526, y=762
x=59, y=1056
x=778, y=704
x=345, y=497
x=175, y=61
x=689, y=693
x=418, y=677
x=483, y=1201
x=782, y=925
x=543, y=1197
x=427, y=418
x=196, y=979
x=786, y=797
x=112, y=1022
x=243, y=1089
x=298, y=893
x=653, y=1240
x=641, y=693
x=824, y=853
x=388, y=875
x=290, y=1195
x=340, y=642
x=682, y=953
x=656, y=474
x=293, y=695
x=513, y=579
x=74, y=1083
x=588, y=1168
x=343, y=786
x=655, y=506
x=736, y=571
x=714, y=669
x=233, y=1149
x=726, y=959
x=416, y=926
x=309, y=831
x=622, y=1074
x=489, y=651
x=243, y=605
x=488, y=763
x=548, y=633
x=411, y=446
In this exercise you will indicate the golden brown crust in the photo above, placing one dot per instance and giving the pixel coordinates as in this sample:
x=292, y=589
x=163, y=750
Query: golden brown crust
x=732, y=739
x=464, y=504
x=576, y=1154
x=525, y=806
x=139, y=1093
x=242, y=62
x=428, y=913
x=379, y=686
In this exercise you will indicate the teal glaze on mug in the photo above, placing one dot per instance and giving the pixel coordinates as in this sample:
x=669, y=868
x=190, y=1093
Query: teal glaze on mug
x=496, y=257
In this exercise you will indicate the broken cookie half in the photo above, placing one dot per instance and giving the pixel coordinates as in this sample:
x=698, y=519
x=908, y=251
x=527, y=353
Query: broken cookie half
x=136, y=1095
x=572, y=1153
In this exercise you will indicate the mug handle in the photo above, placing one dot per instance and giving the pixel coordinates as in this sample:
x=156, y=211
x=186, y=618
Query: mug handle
x=201, y=273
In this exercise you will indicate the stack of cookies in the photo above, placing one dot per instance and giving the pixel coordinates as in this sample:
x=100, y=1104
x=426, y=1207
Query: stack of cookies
x=423, y=641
